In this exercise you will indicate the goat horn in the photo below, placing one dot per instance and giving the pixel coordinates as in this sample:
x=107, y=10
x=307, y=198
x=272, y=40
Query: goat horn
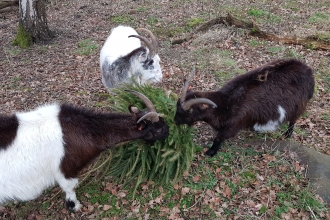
x=153, y=45
x=189, y=103
x=186, y=85
x=153, y=39
x=152, y=115
x=147, y=102
x=147, y=42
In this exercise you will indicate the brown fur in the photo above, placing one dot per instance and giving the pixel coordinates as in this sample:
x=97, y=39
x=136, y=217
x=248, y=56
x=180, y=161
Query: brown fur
x=253, y=98
x=8, y=130
x=88, y=133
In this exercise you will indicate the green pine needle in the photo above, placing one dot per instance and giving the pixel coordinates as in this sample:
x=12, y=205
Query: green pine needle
x=166, y=160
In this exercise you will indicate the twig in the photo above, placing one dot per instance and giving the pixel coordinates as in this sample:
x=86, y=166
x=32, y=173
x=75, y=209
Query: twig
x=85, y=175
x=312, y=212
x=198, y=200
x=306, y=171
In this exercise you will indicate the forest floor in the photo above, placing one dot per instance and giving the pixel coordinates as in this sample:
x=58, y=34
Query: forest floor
x=270, y=185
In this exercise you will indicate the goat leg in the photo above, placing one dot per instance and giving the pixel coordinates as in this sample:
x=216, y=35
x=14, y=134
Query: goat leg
x=215, y=147
x=289, y=132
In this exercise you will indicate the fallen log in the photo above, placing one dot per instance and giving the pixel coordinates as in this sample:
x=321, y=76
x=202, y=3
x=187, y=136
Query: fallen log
x=7, y=3
x=312, y=42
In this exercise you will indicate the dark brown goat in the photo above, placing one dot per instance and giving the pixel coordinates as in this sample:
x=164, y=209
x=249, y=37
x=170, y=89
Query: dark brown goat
x=260, y=99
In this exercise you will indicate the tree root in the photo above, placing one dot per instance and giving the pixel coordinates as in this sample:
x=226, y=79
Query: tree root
x=4, y=4
x=312, y=42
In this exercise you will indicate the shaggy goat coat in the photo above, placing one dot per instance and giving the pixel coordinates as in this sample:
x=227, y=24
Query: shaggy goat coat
x=123, y=58
x=260, y=99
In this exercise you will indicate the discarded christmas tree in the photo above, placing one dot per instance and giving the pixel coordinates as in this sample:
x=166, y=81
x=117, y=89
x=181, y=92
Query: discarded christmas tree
x=166, y=160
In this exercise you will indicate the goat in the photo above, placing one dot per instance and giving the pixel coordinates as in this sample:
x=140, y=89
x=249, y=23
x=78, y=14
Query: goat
x=260, y=99
x=53, y=143
x=124, y=60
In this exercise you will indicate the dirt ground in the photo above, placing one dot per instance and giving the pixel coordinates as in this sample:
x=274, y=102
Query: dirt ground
x=57, y=72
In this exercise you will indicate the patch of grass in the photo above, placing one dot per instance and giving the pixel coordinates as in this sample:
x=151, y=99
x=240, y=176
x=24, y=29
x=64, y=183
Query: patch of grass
x=261, y=15
x=23, y=209
x=319, y=17
x=152, y=21
x=302, y=199
x=193, y=22
x=224, y=75
x=292, y=53
x=141, y=9
x=15, y=51
x=256, y=42
x=325, y=117
x=26, y=60
x=43, y=49
x=87, y=47
x=122, y=19
x=14, y=82
x=301, y=132
x=229, y=62
x=258, y=13
x=44, y=206
x=323, y=35
x=275, y=49
x=168, y=32
x=17, y=79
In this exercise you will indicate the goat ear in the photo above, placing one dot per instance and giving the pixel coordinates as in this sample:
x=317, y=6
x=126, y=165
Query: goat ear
x=203, y=106
x=132, y=109
x=143, y=56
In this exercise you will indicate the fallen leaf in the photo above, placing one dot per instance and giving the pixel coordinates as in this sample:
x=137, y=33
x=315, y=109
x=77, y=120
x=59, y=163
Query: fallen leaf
x=227, y=192
x=184, y=191
x=106, y=207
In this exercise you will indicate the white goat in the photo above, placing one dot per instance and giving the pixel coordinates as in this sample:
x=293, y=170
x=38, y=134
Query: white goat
x=122, y=58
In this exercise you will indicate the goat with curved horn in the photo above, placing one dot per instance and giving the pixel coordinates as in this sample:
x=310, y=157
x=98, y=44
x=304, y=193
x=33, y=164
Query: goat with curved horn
x=246, y=102
x=123, y=58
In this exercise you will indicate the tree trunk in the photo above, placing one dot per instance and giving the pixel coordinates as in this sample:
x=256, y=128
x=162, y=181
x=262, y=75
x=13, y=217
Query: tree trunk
x=33, y=20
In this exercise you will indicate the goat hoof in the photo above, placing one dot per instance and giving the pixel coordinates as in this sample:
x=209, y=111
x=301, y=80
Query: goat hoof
x=210, y=153
x=72, y=206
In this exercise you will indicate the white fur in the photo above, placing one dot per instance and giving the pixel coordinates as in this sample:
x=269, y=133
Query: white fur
x=148, y=76
x=271, y=125
x=31, y=163
x=118, y=44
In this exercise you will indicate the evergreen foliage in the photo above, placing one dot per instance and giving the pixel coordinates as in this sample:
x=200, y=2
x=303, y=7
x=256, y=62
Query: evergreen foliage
x=166, y=160
x=23, y=39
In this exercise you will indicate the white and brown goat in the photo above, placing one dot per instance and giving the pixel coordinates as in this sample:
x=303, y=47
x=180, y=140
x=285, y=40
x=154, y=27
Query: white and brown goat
x=52, y=143
x=260, y=99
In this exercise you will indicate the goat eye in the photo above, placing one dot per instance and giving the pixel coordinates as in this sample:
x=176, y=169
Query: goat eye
x=151, y=62
x=159, y=130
